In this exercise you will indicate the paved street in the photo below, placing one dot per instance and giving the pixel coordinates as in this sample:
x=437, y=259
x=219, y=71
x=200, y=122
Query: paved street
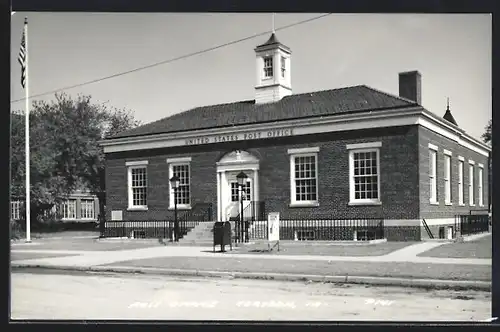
x=98, y=296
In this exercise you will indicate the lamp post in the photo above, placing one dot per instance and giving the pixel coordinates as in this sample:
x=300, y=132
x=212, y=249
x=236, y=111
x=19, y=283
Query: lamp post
x=174, y=182
x=241, y=177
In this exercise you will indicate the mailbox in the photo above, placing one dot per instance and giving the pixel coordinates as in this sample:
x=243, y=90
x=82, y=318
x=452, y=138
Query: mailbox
x=222, y=235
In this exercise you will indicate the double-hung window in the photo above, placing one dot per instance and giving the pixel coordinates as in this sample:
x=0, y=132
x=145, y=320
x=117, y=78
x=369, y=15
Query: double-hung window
x=87, y=209
x=304, y=176
x=364, y=173
x=15, y=210
x=137, y=172
x=461, y=180
x=268, y=67
x=433, y=174
x=283, y=66
x=447, y=177
x=480, y=184
x=471, y=183
x=69, y=209
x=180, y=167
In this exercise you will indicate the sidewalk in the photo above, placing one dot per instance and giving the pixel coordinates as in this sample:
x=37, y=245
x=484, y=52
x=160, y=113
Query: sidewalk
x=408, y=255
x=403, y=266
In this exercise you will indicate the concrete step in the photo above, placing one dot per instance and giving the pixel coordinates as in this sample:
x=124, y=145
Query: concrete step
x=200, y=234
x=197, y=237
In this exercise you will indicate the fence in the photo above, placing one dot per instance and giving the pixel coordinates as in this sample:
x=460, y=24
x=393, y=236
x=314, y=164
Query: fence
x=472, y=223
x=478, y=211
x=322, y=229
x=201, y=212
x=138, y=229
x=255, y=210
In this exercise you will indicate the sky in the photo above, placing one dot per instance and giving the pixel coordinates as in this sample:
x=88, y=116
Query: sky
x=451, y=51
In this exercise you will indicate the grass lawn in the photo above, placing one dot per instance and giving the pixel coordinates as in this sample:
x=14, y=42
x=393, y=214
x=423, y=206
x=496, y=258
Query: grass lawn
x=15, y=256
x=480, y=248
x=60, y=234
x=88, y=244
x=304, y=248
x=65, y=234
x=231, y=263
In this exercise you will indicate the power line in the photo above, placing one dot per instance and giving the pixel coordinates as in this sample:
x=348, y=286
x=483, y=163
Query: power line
x=170, y=60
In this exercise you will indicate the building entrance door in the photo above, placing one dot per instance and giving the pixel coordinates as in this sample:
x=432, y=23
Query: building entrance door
x=236, y=195
x=228, y=195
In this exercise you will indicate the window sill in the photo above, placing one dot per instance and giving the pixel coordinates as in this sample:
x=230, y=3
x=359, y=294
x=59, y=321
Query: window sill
x=68, y=219
x=433, y=203
x=461, y=204
x=180, y=208
x=138, y=208
x=365, y=203
x=448, y=203
x=303, y=204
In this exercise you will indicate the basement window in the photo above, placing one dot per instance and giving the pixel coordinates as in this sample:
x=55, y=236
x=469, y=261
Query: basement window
x=305, y=235
x=364, y=235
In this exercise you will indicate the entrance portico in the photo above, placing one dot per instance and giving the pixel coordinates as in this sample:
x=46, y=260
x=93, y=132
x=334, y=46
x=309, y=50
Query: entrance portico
x=228, y=193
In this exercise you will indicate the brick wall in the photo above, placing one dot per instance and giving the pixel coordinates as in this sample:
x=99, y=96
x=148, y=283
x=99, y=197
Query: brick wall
x=427, y=210
x=398, y=163
x=203, y=183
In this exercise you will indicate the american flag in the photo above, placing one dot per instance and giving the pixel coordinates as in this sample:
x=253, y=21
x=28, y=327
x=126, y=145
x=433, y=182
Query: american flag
x=22, y=59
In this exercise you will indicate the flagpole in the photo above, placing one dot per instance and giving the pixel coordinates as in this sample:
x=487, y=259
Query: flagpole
x=27, y=137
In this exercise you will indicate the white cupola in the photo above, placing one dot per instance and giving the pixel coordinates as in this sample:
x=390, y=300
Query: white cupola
x=273, y=71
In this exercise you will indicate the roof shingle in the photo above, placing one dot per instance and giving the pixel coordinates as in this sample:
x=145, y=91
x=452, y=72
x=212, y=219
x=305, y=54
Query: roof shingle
x=320, y=103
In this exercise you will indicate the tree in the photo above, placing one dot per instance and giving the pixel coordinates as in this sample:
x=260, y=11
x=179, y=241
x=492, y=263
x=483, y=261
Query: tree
x=64, y=151
x=91, y=161
x=47, y=184
x=487, y=136
x=488, y=139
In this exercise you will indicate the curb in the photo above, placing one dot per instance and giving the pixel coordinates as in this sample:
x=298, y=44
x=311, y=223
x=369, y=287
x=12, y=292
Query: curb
x=362, y=280
x=317, y=243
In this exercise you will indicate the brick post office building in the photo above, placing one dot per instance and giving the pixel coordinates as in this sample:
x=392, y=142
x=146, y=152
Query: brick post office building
x=339, y=154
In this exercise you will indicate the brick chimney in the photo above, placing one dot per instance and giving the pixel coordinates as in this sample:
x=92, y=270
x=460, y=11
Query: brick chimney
x=410, y=86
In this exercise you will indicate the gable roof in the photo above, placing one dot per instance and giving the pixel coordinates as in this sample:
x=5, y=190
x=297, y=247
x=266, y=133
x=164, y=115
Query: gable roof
x=320, y=103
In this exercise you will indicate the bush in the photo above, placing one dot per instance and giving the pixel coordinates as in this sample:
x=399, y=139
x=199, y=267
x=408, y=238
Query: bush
x=16, y=231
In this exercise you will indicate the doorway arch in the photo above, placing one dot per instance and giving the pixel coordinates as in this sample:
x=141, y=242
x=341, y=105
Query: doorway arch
x=228, y=166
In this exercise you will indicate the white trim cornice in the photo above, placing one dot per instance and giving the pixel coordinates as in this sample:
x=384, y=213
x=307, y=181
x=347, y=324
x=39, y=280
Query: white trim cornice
x=298, y=127
x=439, y=126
